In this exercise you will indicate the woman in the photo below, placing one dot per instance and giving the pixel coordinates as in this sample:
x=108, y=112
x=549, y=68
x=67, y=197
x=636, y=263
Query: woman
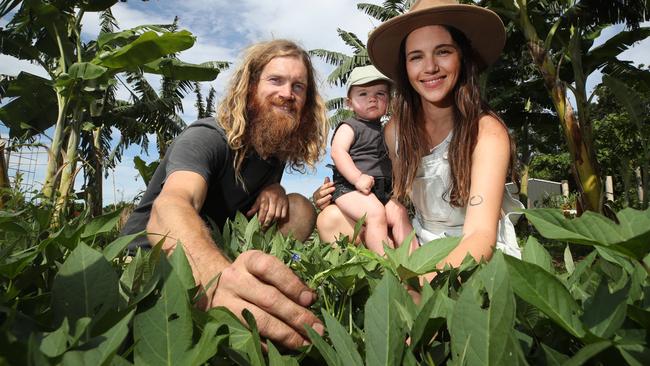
x=451, y=153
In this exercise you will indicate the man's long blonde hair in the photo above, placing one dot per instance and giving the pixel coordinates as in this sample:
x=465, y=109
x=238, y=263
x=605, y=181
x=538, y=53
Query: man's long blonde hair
x=232, y=111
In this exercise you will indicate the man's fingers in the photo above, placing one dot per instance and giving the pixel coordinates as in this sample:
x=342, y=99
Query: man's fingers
x=272, y=271
x=254, y=209
x=269, y=326
x=277, y=305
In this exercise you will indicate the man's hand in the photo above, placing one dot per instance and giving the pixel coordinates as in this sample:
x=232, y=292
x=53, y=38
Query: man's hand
x=364, y=183
x=272, y=204
x=274, y=295
x=323, y=195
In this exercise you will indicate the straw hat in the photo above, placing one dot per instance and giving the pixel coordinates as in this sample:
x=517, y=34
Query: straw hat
x=482, y=27
x=364, y=75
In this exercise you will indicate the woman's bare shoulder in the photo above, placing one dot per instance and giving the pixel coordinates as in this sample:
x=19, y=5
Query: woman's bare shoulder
x=492, y=128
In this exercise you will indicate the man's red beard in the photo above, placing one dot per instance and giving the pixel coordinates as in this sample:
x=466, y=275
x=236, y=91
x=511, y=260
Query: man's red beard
x=271, y=131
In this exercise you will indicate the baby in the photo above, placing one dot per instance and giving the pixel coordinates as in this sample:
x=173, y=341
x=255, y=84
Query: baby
x=362, y=172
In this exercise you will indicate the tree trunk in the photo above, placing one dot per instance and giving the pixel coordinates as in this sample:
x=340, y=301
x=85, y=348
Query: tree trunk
x=4, y=176
x=94, y=189
x=55, y=150
x=68, y=173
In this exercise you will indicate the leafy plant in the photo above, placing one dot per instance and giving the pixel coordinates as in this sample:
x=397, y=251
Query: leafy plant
x=72, y=297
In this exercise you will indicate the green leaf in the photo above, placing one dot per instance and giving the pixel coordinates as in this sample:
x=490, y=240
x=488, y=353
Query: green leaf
x=385, y=333
x=276, y=359
x=544, y=291
x=568, y=260
x=435, y=308
x=535, y=253
x=551, y=357
x=100, y=349
x=240, y=337
x=207, y=346
x=485, y=335
x=118, y=245
x=255, y=357
x=635, y=354
x=587, y=352
x=55, y=343
x=328, y=353
x=600, y=55
x=631, y=237
x=85, y=286
x=146, y=48
x=97, y=5
x=34, y=105
x=86, y=71
x=343, y=343
x=101, y=224
x=182, y=268
x=605, y=312
x=146, y=170
x=179, y=70
x=162, y=331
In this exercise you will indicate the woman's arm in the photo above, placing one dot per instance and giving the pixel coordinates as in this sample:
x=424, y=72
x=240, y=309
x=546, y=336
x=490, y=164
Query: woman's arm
x=490, y=161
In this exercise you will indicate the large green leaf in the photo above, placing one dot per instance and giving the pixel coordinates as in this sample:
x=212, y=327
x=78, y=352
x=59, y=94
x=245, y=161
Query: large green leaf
x=605, y=312
x=179, y=70
x=485, y=335
x=101, y=224
x=535, y=253
x=631, y=237
x=544, y=291
x=385, y=332
x=146, y=48
x=97, y=5
x=430, y=317
x=423, y=260
x=587, y=352
x=86, y=71
x=611, y=48
x=118, y=245
x=98, y=350
x=162, y=331
x=343, y=343
x=85, y=286
x=240, y=338
x=328, y=353
x=207, y=346
x=34, y=107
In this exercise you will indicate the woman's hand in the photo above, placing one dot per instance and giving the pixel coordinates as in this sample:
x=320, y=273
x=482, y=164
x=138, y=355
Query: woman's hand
x=323, y=195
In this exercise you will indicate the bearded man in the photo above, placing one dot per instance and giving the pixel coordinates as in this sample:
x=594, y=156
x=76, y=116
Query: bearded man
x=271, y=116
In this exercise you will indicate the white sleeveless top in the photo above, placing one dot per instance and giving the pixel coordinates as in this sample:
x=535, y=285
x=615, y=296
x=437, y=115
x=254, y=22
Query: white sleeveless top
x=436, y=218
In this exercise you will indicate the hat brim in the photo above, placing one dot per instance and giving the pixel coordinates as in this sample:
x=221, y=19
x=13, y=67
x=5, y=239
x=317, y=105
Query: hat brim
x=481, y=26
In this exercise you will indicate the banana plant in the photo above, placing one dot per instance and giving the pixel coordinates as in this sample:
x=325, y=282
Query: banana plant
x=563, y=32
x=49, y=33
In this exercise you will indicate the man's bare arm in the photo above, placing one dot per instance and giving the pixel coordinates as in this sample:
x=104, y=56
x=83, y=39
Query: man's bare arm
x=255, y=281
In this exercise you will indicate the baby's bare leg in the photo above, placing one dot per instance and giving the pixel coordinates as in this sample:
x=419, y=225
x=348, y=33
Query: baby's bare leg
x=400, y=224
x=355, y=205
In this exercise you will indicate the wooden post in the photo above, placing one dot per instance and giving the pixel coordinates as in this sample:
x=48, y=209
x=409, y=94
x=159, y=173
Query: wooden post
x=609, y=188
x=565, y=188
x=639, y=183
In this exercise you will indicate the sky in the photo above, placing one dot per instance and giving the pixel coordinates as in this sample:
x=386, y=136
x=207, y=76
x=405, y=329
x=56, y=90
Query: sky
x=223, y=29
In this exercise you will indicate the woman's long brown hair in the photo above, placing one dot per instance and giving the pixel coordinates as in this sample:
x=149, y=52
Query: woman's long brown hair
x=409, y=118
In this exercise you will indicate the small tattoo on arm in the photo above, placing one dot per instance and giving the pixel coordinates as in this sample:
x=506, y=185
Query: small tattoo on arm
x=475, y=200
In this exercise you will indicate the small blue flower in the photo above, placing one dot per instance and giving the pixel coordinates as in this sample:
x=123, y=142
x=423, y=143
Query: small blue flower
x=295, y=257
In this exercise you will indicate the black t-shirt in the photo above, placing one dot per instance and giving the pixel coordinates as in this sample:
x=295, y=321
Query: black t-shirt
x=202, y=148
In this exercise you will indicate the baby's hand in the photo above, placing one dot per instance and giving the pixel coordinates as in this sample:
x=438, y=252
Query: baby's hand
x=364, y=183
